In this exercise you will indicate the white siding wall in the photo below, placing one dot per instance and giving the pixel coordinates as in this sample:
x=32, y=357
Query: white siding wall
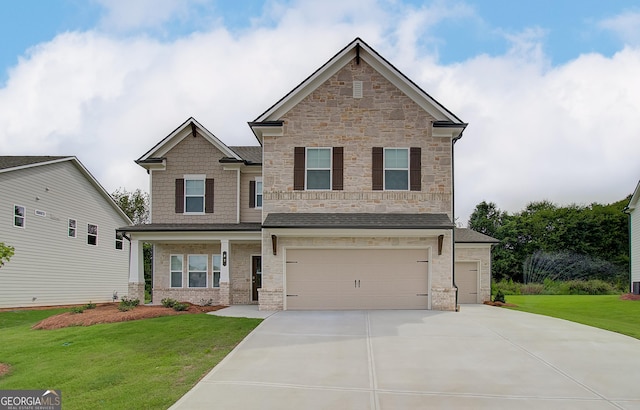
x=635, y=245
x=48, y=265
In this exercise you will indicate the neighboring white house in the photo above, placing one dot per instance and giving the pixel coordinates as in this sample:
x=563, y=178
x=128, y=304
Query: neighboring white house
x=62, y=224
x=634, y=235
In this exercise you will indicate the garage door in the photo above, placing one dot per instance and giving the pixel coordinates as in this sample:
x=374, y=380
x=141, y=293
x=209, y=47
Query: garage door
x=467, y=281
x=357, y=279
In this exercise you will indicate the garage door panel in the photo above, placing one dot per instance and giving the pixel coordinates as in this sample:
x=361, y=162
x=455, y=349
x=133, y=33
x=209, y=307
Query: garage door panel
x=357, y=279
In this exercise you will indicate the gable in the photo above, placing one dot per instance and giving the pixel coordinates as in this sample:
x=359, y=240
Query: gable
x=633, y=203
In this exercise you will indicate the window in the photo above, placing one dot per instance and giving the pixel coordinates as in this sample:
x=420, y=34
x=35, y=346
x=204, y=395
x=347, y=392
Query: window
x=176, y=271
x=72, y=228
x=396, y=169
x=92, y=234
x=119, y=238
x=18, y=216
x=318, y=168
x=194, y=194
x=215, y=263
x=258, y=192
x=197, y=271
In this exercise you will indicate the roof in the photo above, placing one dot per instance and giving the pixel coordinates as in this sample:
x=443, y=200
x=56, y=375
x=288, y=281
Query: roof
x=192, y=227
x=250, y=154
x=465, y=235
x=185, y=129
x=357, y=221
x=358, y=49
x=633, y=203
x=8, y=162
x=14, y=163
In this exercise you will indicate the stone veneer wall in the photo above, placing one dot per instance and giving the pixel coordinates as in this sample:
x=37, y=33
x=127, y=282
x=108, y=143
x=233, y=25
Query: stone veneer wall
x=482, y=254
x=194, y=156
x=272, y=292
x=238, y=292
x=331, y=117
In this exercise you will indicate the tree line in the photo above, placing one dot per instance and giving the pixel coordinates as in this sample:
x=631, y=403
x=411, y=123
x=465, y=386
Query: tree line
x=596, y=235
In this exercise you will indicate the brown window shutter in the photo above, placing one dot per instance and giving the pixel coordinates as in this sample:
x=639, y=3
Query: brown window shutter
x=252, y=194
x=377, y=169
x=180, y=196
x=415, y=169
x=338, y=166
x=208, y=196
x=298, y=168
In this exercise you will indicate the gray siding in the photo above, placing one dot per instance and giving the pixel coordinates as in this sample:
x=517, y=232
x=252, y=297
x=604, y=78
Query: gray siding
x=48, y=265
x=635, y=245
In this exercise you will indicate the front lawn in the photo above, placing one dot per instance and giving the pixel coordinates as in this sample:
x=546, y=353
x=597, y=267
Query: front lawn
x=606, y=312
x=144, y=364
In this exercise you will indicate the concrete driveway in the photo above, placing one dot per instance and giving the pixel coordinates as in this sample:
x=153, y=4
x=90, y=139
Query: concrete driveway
x=480, y=358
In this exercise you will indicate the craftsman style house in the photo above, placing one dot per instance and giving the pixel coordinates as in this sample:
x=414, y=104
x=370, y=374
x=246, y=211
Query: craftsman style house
x=346, y=204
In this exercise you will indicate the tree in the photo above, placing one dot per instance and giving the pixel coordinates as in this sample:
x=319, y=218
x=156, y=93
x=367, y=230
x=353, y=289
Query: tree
x=6, y=252
x=486, y=218
x=135, y=204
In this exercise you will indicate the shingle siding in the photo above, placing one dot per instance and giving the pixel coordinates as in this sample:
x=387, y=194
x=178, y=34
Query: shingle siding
x=48, y=265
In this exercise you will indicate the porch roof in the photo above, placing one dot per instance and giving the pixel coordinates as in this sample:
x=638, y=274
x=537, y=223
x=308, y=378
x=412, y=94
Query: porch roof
x=241, y=227
x=358, y=221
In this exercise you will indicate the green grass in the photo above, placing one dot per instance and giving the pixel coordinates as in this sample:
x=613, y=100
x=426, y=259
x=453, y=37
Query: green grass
x=144, y=364
x=607, y=312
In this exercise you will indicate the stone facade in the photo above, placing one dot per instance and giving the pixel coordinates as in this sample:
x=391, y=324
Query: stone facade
x=194, y=156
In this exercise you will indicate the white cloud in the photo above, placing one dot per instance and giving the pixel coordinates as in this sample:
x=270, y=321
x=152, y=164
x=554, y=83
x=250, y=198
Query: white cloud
x=566, y=133
x=626, y=26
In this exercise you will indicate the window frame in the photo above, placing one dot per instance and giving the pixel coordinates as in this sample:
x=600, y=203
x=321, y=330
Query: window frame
x=213, y=271
x=206, y=272
x=258, y=193
x=385, y=169
x=307, y=168
x=195, y=177
x=119, y=240
x=74, y=227
x=90, y=234
x=23, y=216
x=172, y=271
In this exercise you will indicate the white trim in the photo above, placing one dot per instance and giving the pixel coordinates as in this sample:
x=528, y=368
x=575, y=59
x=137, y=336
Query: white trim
x=150, y=196
x=75, y=228
x=384, y=169
x=206, y=271
x=195, y=236
x=96, y=235
x=195, y=177
x=23, y=216
x=259, y=179
x=181, y=271
x=306, y=169
x=120, y=241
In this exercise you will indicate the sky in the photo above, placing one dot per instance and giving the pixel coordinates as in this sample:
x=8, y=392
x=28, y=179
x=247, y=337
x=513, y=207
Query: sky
x=550, y=89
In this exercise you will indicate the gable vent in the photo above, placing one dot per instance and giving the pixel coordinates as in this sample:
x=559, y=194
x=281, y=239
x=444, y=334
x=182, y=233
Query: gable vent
x=357, y=89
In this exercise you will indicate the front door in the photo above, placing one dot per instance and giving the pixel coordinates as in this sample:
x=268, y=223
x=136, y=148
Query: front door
x=256, y=276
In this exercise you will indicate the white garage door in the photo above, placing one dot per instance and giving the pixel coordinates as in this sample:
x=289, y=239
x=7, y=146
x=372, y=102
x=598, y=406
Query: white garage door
x=467, y=282
x=357, y=279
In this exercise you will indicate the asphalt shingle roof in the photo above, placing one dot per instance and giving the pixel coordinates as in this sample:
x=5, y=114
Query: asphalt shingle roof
x=251, y=154
x=7, y=162
x=357, y=221
x=465, y=235
x=191, y=227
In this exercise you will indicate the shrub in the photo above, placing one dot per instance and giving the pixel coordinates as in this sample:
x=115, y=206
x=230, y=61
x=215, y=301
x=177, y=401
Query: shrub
x=206, y=302
x=168, y=302
x=499, y=297
x=179, y=307
x=508, y=287
x=587, y=287
x=77, y=309
x=127, y=304
x=90, y=305
x=532, y=289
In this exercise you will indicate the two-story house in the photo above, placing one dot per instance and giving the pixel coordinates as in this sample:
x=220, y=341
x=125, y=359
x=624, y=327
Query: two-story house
x=346, y=204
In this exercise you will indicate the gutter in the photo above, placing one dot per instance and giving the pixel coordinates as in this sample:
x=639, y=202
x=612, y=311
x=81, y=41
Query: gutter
x=453, y=217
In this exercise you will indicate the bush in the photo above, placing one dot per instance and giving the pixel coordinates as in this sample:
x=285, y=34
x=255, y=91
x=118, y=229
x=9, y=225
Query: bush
x=587, y=287
x=90, y=305
x=179, y=307
x=168, y=302
x=507, y=287
x=127, y=304
x=77, y=309
x=499, y=297
x=206, y=302
x=532, y=289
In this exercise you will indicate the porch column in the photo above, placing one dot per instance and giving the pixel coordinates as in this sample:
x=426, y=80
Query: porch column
x=136, y=271
x=225, y=295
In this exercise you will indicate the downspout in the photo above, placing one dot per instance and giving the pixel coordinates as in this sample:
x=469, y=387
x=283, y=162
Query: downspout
x=453, y=217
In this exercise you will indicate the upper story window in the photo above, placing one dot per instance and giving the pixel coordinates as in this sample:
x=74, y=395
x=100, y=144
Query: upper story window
x=18, y=216
x=119, y=240
x=92, y=234
x=72, y=228
x=258, y=192
x=255, y=193
x=396, y=169
x=318, y=168
x=194, y=195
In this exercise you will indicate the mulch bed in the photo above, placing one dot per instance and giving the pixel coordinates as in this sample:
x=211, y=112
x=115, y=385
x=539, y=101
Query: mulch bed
x=4, y=369
x=499, y=304
x=109, y=313
x=629, y=296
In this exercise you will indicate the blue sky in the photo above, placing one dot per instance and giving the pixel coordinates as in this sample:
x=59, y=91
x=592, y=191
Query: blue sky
x=549, y=87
